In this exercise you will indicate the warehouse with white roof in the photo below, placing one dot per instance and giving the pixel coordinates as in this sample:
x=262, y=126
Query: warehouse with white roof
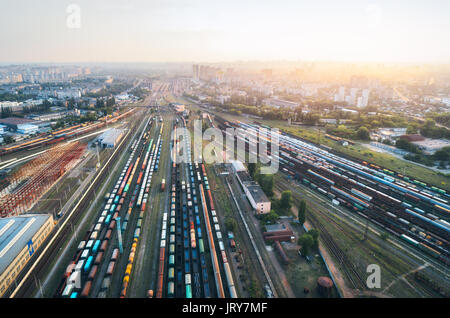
x=20, y=237
x=110, y=138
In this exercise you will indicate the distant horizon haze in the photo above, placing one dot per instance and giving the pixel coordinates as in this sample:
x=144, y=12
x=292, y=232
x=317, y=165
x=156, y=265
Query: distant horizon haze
x=201, y=31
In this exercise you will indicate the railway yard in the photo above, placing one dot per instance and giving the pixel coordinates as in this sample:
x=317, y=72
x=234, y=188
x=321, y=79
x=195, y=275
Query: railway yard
x=146, y=218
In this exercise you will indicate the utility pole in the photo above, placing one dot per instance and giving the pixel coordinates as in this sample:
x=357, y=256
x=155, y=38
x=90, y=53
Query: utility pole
x=366, y=230
x=98, y=157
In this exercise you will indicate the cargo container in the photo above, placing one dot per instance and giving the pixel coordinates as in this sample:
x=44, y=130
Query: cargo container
x=96, y=246
x=104, y=245
x=93, y=272
x=108, y=234
x=81, y=245
x=88, y=264
x=79, y=265
x=170, y=289
x=110, y=268
x=98, y=258
x=67, y=290
x=86, y=289
x=84, y=254
x=188, y=291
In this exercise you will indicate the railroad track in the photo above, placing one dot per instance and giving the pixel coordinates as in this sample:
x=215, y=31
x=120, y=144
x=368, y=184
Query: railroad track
x=243, y=227
x=347, y=265
x=422, y=290
x=41, y=261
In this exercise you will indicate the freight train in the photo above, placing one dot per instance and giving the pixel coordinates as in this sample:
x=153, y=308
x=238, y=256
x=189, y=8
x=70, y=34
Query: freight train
x=365, y=188
x=84, y=267
x=61, y=135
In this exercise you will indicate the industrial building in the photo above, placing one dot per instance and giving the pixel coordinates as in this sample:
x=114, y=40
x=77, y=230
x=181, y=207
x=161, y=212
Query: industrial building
x=279, y=103
x=255, y=195
x=430, y=146
x=257, y=198
x=27, y=129
x=15, y=123
x=110, y=138
x=391, y=134
x=20, y=237
x=179, y=108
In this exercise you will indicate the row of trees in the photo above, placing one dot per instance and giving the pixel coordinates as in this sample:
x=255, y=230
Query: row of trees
x=112, y=89
x=19, y=97
x=5, y=112
x=441, y=118
x=343, y=131
x=430, y=130
x=102, y=103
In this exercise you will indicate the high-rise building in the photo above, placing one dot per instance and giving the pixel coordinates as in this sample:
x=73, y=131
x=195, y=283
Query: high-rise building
x=365, y=97
x=196, y=71
x=353, y=92
x=340, y=96
x=359, y=102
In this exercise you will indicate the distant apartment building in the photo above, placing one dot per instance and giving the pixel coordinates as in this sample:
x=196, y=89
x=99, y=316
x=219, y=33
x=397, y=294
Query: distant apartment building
x=207, y=73
x=68, y=94
x=446, y=101
x=340, y=96
x=196, y=71
x=365, y=98
x=353, y=93
x=11, y=105
x=223, y=99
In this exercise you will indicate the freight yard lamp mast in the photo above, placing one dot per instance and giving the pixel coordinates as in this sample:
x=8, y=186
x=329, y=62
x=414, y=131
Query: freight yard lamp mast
x=366, y=230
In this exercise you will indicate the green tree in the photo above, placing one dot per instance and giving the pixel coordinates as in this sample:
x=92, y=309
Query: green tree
x=99, y=103
x=46, y=105
x=266, y=182
x=270, y=218
x=252, y=169
x=363, y=133
x=384, y=236
x=6, y=112
x=315, y=235
x=411, y=129
x=306, y=241
x=8, y=139
x=302, y=212
x=230, y=224
x=286, y=200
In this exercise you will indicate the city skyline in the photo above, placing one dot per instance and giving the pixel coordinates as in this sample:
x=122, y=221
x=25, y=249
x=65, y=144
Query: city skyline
x=212, y=32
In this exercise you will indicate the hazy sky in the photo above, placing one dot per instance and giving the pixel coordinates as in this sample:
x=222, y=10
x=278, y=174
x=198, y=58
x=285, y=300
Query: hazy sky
x=225, y=30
